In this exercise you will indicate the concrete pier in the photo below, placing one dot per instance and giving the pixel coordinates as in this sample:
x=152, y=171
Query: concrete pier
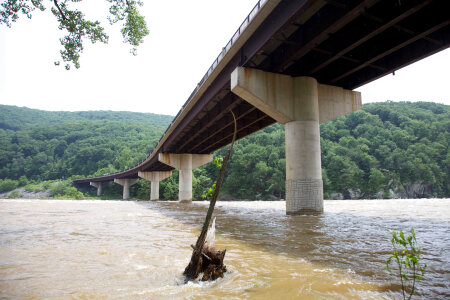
x=126, y=183
x=185, y=163
x=301, y=103
x=154, y=178
x=99, y=186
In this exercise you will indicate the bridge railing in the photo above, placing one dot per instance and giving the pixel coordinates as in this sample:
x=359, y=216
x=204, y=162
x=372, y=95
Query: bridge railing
x=221, y=55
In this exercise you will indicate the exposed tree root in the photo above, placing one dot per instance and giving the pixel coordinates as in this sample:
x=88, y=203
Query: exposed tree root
x=212, y=264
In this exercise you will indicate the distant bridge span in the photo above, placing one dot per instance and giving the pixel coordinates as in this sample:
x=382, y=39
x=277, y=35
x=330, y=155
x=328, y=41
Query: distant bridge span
x=294, y=62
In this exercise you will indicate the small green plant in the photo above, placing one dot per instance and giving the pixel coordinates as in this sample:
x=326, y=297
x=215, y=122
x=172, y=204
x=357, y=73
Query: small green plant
x=58, y=188
x=64, y=190
x=8, y=185
x=73, y=193
x=15, y=194
x=210, y=191
x=34, y=187
x=47, y=184
x=406, y=255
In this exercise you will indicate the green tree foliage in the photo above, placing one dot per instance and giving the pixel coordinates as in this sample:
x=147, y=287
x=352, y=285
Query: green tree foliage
x=7, y=185
x=168, y=188
x=404, y=142
x=23, y=181
x=76, y=144
x=257, y=166
x=209, y=192
x=64, y=189
x=18, y=118
x=77, y=28
x=371, y=149
x=142, y=189
x=15, y=194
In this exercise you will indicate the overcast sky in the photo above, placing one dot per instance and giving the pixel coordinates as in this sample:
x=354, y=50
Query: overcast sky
x=185, y=37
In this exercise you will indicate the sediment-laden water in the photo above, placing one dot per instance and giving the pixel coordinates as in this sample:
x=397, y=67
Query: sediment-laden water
x=59, y=249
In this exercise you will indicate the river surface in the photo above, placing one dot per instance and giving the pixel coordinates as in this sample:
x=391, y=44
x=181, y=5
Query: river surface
x=61, y=249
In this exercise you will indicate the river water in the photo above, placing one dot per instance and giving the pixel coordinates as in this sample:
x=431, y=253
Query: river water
x=60, y=249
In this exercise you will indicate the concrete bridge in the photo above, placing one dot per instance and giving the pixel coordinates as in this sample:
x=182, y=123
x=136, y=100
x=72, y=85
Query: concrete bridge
x=295, y=62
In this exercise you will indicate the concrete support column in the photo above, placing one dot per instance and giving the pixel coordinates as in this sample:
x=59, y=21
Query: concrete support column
x=126, y=183
x=185, y=182
x=99, y=186
x=154, y=178
x=304, y=187
x=301, y=104
x=185, y=163
x=154, y=190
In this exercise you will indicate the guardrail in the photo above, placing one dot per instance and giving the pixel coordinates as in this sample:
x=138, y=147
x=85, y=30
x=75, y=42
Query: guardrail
x=221, y=55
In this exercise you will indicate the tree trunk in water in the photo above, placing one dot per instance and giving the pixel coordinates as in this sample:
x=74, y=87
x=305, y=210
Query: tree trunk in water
x=207, y=259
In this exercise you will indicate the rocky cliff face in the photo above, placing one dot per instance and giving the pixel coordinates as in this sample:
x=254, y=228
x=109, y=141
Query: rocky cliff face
x=394, y=190
x=414, y=190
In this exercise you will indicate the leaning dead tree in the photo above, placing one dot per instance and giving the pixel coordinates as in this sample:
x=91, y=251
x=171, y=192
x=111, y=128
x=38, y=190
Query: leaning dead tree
x=205, y=259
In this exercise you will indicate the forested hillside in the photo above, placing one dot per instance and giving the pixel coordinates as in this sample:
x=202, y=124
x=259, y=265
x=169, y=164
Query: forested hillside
x=18, y=118
x=385, y=150
x=390, y=149
x=43, y=145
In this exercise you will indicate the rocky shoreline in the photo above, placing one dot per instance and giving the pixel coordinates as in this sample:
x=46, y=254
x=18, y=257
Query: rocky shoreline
x=23, y=193
x=393, y=190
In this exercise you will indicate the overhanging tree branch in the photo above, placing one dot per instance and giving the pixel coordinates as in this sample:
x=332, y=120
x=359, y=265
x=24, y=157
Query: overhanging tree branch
x=60, y=11
x=76, y=27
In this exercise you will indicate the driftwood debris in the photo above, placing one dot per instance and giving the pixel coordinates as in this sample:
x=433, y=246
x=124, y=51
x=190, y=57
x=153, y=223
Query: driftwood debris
x=205, y=259
x=211, y=261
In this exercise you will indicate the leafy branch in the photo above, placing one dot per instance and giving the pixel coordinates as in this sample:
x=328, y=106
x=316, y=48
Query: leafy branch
x=406, y=255
x=218, y=161
x=11, y=9
x=135, y=27
x=77, y=27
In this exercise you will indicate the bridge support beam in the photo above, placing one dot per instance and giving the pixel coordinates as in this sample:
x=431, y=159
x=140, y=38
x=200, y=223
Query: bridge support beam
x=301, y=104
x=99, y=186
x=185, y=163
x=126, y=183
x=154, y=178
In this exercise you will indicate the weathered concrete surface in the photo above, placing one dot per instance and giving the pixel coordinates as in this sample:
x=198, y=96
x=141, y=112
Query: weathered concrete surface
x=99, y=186
x=154, y=178
x=273, y=93
x=185, y=163
x=304, y=187
x=301, y=104
x=335, y=102
x=126, y=183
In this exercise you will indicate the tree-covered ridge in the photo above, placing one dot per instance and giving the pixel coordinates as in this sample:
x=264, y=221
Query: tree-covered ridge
x=388, y=149
x=388, y=143
x=385, y=147
x=81, y=143
x=18, y=118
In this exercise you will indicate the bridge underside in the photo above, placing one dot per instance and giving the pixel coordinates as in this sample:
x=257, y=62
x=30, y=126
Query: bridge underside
x=340, y=43
x=345, y=43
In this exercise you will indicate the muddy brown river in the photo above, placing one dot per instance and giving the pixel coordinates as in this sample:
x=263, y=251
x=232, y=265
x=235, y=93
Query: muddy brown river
x=61, y=249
